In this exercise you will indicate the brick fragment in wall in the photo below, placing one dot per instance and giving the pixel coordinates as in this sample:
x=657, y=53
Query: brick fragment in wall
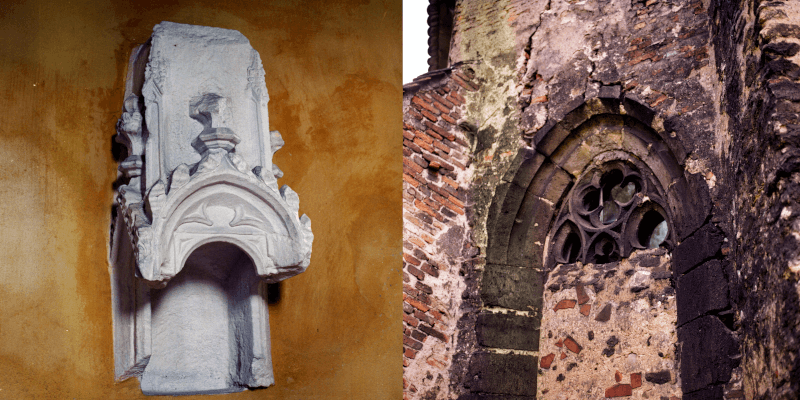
x=581, y=293
x=407, y=341
x=417, y=335
x=442, y=100
x=547, y=361
x=637, y=334
x=572, y=345
x=619, y=391
x=424, y=105
x=417, y=304
x=422, y=316
x=441, y=131
x=430, y=270
x=408, y=319
x=433, y=332
x=636, y=380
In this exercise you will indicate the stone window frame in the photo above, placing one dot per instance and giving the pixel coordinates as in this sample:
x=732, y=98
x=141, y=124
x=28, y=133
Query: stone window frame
x=530, y=195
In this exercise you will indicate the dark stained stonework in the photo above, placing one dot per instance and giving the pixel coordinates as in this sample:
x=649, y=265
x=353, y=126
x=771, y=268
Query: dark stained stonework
x=604, y=314
x=708, y=355
x=713, y=392
x=701, y=291
x=659, y=377
x=511, y=287
x=510, y=374
x=702, y=245
x=507, y=331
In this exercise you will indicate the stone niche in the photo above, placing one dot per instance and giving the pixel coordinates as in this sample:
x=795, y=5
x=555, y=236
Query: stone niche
x=200, y=225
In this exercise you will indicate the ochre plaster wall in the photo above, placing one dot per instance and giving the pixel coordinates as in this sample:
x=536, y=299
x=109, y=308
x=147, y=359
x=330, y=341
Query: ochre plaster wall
x=333, y=74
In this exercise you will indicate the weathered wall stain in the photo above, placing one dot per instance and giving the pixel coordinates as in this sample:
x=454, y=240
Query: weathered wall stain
x=333, y=73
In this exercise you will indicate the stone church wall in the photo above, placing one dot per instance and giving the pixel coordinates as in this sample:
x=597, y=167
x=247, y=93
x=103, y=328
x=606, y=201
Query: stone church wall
x=714, y=85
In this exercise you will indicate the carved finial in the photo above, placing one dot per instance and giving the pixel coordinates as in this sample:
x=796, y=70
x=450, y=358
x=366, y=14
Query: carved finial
x=212, y=111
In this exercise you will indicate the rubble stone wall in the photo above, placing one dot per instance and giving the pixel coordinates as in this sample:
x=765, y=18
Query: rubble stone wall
x=758, y=42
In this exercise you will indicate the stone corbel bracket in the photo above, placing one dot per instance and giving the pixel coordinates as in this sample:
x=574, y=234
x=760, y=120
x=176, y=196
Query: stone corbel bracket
x=183, y=207
x=198, y=171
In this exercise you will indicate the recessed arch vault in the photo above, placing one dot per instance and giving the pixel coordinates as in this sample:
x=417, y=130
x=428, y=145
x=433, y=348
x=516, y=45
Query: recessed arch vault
x=524, y=212
x=525, y=203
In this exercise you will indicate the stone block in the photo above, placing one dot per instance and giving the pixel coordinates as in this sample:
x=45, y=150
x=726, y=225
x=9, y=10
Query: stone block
x=610, y=92
x=689, y=204
x=702, y=245
x=512, y=287
x=509, y=374
x=637, y=109
x=500, y=220
x=484, y=396
x=551, y=183
x=507, y=331
x=529, y=231
x=716, y=392
x=706, y=351
x=702, y=290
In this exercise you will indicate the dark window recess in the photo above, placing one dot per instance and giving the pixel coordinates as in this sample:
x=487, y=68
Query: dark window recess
x=614, y=209
x=440, y=33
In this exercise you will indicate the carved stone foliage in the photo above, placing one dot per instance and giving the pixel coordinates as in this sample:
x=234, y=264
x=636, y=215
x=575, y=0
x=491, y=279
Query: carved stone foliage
x=614, y=209
x=199, y=176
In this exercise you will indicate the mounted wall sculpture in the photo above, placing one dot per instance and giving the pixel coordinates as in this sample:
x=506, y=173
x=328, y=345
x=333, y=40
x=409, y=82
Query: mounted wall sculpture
x=201, y=225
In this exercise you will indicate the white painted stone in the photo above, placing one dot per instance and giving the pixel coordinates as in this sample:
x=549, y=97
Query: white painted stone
x=201, y=223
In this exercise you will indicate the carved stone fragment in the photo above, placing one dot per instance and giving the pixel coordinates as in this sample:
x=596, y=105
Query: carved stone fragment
x=201, y=225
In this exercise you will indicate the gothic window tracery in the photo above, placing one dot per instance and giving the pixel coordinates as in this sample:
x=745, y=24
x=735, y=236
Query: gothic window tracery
x=615, y=208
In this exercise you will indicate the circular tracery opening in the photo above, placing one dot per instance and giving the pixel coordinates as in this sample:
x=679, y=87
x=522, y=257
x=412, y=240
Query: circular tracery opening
x=617, y=208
